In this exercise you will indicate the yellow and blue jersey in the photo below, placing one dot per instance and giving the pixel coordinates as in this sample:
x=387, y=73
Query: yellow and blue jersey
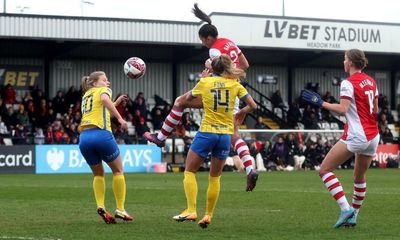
x=94, y=113
x=218, y=96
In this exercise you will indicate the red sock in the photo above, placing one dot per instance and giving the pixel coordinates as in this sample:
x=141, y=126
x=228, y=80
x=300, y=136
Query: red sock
x=335, y=188
x=171, y=121
x=360, y=188
x=244, y=153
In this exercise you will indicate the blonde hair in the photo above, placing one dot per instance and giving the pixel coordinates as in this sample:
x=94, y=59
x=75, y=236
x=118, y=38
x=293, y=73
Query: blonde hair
x=223, y=66
x=88, y=82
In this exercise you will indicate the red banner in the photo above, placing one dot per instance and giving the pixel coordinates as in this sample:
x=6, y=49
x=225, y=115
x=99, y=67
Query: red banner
x=385, y=151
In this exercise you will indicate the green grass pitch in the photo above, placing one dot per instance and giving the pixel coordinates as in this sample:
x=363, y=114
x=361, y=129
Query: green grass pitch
x=285, y=205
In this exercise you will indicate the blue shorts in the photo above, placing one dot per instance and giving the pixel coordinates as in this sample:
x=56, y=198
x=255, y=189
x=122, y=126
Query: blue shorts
x=98, y=144
x=216, y=144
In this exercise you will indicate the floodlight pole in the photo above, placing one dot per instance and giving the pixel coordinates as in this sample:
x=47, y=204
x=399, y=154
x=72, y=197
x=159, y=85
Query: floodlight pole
x=4, y=6
x=283, y=7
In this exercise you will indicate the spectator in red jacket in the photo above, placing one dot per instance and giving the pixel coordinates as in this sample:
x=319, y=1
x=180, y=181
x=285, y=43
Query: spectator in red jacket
x=10, y=95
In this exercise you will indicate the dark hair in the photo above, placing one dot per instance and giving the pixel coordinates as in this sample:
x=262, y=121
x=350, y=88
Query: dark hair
x=207, y=29
x=357, y=57
x=222, y=65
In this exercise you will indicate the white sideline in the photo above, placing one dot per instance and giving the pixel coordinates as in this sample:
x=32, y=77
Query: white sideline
x=27, y=238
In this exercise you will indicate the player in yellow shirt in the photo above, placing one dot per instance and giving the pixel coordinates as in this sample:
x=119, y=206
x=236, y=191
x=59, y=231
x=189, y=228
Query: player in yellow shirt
x=98, y=144
x=218, y=94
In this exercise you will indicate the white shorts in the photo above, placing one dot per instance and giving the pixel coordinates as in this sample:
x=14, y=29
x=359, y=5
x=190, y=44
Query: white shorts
x=364, y=148
x=236, y=106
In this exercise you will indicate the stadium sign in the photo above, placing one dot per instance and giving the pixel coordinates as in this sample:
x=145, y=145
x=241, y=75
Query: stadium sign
x=267, y=79
x=17, y=159
x=300, y=33
x=68, y=159
x=385, y=152
x=22, y=77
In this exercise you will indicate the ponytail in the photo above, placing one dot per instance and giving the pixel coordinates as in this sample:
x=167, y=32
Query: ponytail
x=87, y=82
x=84, y=83
x=200, y=14
x=207, y=29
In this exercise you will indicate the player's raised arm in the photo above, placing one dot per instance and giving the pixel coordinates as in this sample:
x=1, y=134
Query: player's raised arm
x=120, y=99
x=316, y=100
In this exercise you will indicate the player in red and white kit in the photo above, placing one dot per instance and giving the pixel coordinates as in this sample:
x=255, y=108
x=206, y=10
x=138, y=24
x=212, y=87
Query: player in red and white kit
x=208, y=35
x=359, y=103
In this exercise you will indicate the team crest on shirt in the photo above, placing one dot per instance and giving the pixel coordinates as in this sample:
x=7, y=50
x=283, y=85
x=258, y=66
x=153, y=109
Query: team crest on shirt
x=314, y=99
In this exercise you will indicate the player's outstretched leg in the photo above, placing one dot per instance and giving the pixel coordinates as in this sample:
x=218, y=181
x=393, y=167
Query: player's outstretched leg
x=244, y=153
x=172, y=120
x=107, y=218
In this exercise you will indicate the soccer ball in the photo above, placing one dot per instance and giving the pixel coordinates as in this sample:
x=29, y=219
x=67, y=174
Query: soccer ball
x=135, y=68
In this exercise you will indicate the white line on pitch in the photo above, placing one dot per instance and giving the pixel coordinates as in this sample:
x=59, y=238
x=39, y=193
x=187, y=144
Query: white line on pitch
x=27, y=238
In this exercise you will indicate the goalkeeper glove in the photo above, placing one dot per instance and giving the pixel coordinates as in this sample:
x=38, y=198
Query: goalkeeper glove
x=312, y=97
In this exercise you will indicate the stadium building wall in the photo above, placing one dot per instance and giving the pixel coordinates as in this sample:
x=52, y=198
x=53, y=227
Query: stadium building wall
x=281, y=74
x=157, y=79
x=22, y=61
x=98, y=29
x=267, y=89
x=184, y=70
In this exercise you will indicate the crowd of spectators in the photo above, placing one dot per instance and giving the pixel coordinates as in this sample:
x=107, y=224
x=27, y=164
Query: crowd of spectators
x=288, y=152
x=311, y=117
x=35, y=119
x=291, y=152
x=32, y=118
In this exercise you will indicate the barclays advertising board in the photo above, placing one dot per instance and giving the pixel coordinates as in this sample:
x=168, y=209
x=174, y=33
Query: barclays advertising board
x=17, y=159
x=68, y=159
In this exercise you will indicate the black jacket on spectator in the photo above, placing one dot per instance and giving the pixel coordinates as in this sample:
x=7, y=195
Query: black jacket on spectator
x=10, y=119
x=157, y=118
x=293, y=115
x=3, y=108
x=276, y=100
x=266, y=152
x=311, y=122
x=72, y=96
x=141, y=106
x=291, y=146
x=59, y=105
x=141, y=128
